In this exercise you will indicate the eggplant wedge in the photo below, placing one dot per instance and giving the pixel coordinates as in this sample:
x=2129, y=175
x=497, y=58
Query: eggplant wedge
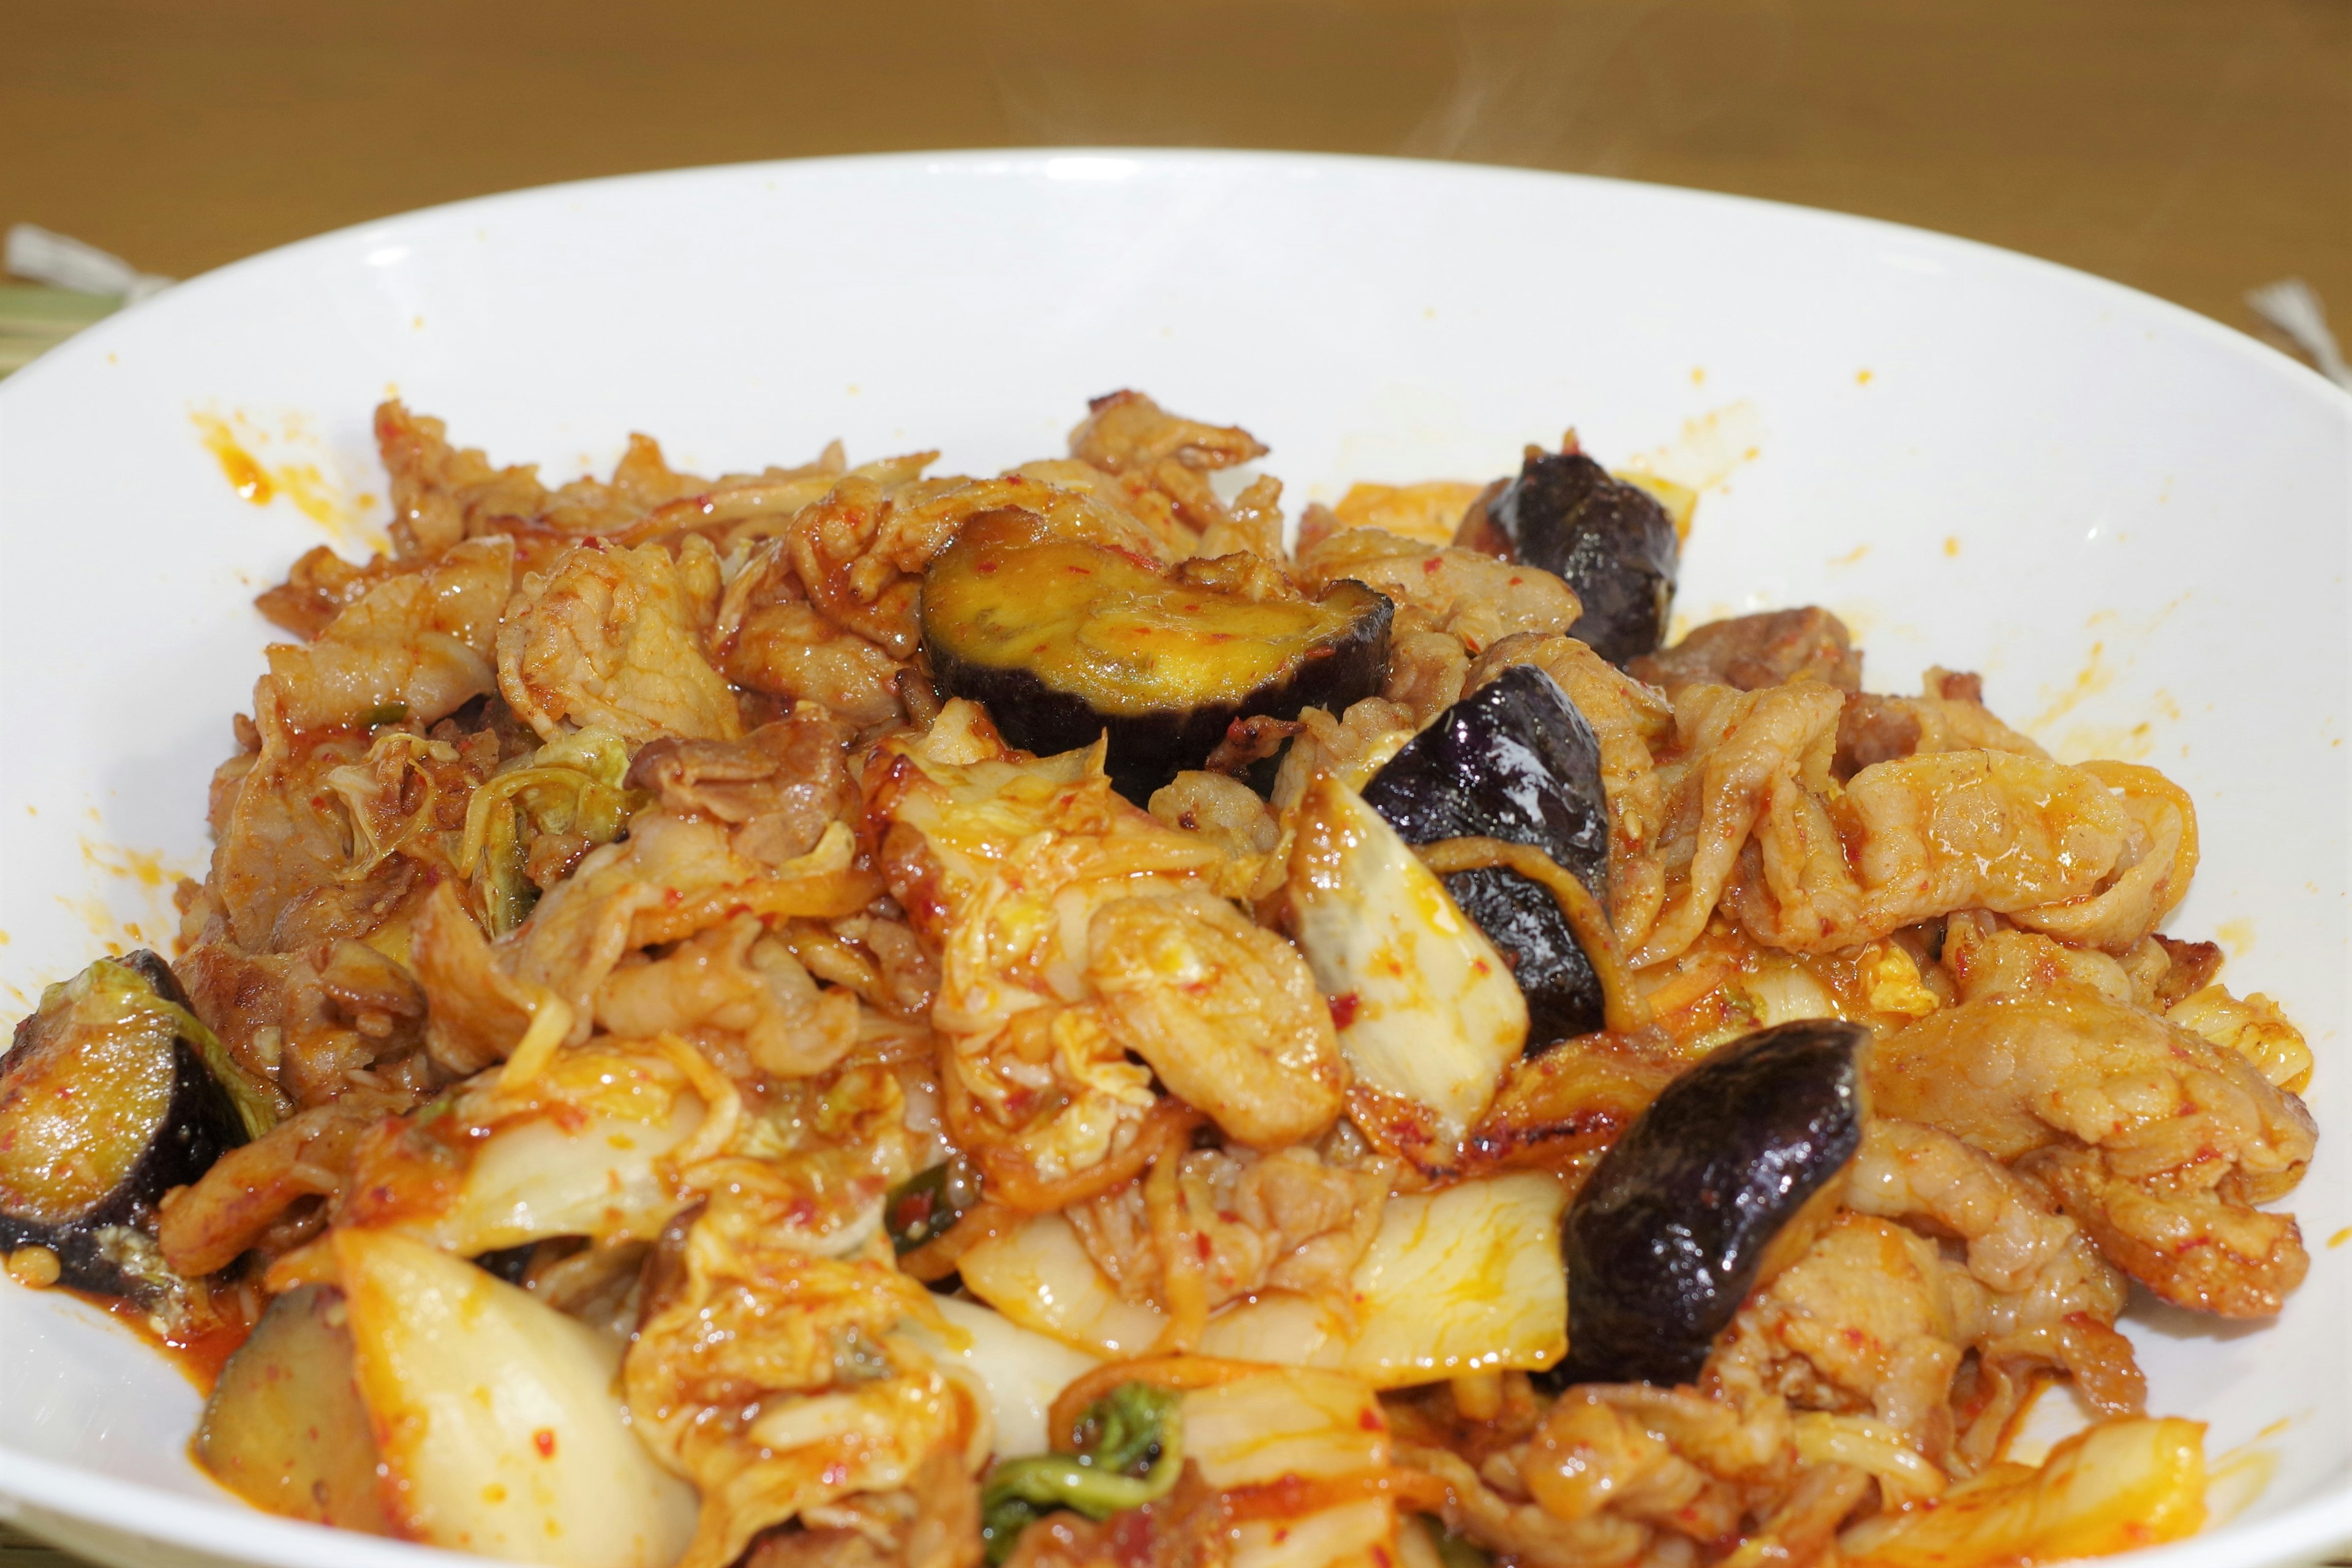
x=1611, y=542
x=1721, y=1182
x=1063, y=640
x=285, y=1428
x=112, y=1094
x=1514, y=760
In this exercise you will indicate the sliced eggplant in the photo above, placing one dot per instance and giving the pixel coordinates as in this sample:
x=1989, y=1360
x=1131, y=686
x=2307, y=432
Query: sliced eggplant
x=1718, y=1185
x=285, y=1428
x=113, y=1094
x=1063, y=640
x=512, y=1264
x=1514, y=760
x=1611, y=542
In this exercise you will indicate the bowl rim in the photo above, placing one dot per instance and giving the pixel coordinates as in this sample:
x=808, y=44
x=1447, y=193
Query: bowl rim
x=1039, y=160
x=225, y=1524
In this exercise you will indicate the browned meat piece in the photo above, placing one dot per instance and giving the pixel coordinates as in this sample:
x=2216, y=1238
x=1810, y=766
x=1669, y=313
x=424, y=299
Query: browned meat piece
x=789, y=650
x=305, y=1025
x=1948, y=716
x=373, y=994
x=317, y=587
x=2194, y=1246
x=1227, y=810
x=617, y=638
x=1874, y=729
x=900, y=978
x=933, y=1522
x=1475, y=598
x=283, y=876
x=1752, y=651
x=1956, y=685
x=1126, y=430
x=771, y=638
x=253, y=1001
x=1287, y=1220
x=777, y=787
x=1426, y=672
x=2194, y=965
x=1191, y=1527
x=208, y=1225
x=1250, y=739
x=415, y=645
x=442, y=494
x=2155, y=1140
x=2032, y=1289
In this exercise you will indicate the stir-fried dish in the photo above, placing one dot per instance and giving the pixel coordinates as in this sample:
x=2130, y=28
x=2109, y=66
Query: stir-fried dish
x=838, y=1017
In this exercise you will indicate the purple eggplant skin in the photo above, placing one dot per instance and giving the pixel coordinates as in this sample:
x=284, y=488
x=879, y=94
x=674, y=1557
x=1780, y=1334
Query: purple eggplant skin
x=512, y=1264
x=1514, y=759
x=176, y=1140
x=1668, y=1236
x=1610, y=540
x=1000, y=575
x=1147, y=751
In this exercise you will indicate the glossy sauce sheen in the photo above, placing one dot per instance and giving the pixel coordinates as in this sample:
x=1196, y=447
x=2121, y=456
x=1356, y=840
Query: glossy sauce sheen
x=1670, y=1234
x=51, y=1169
x=1610, y=540
x=199, y=1356
x=107, y=1052
x=1117, y=631
x=1064, y=641
x=1514, y=760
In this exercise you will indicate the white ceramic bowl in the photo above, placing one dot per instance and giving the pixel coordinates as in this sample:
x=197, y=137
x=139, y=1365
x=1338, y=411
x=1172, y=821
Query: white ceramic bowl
x=2132, y=520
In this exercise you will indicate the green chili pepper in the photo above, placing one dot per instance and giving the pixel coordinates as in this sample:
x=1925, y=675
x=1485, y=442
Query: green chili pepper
x=1455, y=1551
x=508, y=893
x=384, y=713
x=1131, y=1450
x=577, y=784
x=925, y=1204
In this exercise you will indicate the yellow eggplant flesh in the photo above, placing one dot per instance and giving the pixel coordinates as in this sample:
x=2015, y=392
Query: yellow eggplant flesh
x=285, y=1428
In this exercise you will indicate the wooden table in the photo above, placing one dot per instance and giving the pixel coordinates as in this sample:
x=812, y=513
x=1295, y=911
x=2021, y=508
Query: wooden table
x=2193, y=148
x=17, y=1551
